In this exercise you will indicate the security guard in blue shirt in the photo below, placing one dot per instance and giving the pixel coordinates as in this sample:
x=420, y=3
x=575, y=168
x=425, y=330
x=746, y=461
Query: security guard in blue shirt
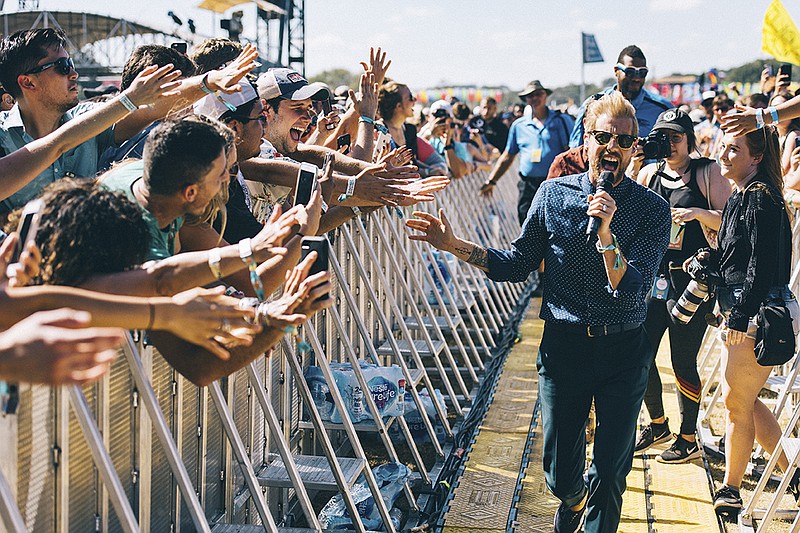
x=630, y=70
x=539, y=137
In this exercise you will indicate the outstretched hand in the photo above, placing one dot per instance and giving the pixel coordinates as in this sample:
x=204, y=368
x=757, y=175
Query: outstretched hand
x=153, y=83
x=227, y=79
x=208, y=318
x=435, y=231
x=57, y=348
x=377, y=65
x=740, y=123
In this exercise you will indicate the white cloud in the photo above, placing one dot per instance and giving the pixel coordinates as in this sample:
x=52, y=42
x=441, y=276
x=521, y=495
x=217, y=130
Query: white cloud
x=664, y=6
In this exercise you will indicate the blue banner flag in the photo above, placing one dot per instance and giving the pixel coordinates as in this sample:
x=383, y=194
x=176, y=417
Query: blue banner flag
x=591, y=52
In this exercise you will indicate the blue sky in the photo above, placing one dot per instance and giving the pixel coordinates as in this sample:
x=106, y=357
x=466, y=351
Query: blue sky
x=501, y=42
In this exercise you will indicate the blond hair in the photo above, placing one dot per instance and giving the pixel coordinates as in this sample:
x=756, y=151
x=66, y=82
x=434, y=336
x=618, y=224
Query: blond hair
x=615, y=106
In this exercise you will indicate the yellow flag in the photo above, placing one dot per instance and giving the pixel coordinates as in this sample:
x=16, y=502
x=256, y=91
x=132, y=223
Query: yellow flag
x=780, y=37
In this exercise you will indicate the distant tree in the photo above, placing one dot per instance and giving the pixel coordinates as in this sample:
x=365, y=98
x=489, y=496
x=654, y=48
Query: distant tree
x=337, y=76
x=751, y=72
x=573, y=92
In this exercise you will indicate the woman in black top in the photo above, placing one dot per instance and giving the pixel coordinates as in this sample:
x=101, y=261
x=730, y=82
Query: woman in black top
x=696, y=193
x=750, y=244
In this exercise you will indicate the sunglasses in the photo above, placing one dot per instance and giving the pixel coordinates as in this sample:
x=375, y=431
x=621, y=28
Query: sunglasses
x=63, y=65
x=632, y=72
x=604, y=137
x=246, y=120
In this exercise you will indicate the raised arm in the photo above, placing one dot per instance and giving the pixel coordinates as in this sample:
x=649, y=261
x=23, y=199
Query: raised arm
x=18, y=168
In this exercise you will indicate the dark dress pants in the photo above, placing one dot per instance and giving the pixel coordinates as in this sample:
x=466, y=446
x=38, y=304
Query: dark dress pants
x=574, y=369
x=527, y=190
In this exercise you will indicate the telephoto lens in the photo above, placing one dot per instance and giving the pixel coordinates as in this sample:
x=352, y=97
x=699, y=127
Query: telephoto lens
x=686, y=306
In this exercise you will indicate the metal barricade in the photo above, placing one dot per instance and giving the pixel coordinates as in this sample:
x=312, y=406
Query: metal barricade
x=144, y=449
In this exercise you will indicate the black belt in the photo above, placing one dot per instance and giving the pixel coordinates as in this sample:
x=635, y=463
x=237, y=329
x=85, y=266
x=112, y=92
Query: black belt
x=597, y=331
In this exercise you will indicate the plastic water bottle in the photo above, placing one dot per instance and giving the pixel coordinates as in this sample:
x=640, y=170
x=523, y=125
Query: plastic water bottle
x=357, y=403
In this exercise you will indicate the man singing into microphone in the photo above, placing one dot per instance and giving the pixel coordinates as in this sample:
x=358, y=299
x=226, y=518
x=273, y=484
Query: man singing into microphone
x=593, y=346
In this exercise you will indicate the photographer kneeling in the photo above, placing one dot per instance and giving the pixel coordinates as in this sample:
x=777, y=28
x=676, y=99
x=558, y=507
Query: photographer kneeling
x=696, y=193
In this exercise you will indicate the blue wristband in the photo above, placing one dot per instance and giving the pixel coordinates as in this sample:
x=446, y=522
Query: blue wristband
x=774, y=113
x=368, y=120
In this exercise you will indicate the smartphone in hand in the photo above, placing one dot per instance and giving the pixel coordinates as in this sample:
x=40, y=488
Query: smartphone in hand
x=343, y=140
x=28, y=226
x=306, y=183
x=319, y=245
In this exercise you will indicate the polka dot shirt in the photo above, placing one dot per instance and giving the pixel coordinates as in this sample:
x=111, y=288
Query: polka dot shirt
x=575, y=284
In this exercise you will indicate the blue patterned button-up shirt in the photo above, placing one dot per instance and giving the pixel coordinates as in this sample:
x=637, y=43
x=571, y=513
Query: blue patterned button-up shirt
x=575, y=284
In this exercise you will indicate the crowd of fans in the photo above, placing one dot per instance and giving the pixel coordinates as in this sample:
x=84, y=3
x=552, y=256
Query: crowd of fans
x=161, y=206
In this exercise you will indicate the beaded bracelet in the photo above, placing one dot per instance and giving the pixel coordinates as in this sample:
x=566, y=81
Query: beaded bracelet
x=246, y=255
x=613, y=246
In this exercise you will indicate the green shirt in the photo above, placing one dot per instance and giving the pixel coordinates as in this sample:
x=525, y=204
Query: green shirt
x=162, y=240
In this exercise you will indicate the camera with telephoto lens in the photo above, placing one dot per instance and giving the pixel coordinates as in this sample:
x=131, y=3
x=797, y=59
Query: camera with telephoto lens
x=705, y=277
x=656, y=145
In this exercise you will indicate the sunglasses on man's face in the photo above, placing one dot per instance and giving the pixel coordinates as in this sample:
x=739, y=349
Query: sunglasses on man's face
x=63, y=65
x=633, y=72
x=604, y=137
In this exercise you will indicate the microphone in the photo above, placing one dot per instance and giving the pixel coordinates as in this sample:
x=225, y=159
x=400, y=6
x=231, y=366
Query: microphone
x=605, y=182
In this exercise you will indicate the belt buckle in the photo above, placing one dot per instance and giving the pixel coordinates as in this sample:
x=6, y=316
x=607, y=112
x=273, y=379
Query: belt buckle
x=603, y=333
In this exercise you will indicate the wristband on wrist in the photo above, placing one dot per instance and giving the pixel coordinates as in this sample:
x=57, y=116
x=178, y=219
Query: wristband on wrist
x=356, y=210
x=213, y=262
x=759, y=118
x=351, y=188
x=773, y=112
x=614, y=246
x=366, y=120
x=449, y=146
x=127, y=103
x=246, y=255
x=381, y=128
x=152, y=321
x=204, y=87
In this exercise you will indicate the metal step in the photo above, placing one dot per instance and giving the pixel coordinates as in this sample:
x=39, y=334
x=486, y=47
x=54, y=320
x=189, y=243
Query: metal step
x=461, y=304
x=365, y=426
x=314, y=471
x=776, y=383
x=248, y=528
x=427, y=322
x=405, y=348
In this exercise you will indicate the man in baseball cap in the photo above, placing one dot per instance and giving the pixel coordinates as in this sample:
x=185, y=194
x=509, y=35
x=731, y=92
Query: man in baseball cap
x=288, y=106
x=290, y=85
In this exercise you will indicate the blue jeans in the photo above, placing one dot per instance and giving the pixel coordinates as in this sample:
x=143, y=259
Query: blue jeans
x=574, y=369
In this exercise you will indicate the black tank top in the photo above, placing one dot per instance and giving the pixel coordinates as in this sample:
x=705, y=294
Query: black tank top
x=692, y=238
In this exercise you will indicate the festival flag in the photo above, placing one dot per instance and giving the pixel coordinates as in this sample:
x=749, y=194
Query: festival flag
x=779, y=36
x=591, y=52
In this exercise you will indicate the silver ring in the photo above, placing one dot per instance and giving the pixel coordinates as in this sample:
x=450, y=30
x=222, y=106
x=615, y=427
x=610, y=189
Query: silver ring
x=603, y=207
x=225, y=327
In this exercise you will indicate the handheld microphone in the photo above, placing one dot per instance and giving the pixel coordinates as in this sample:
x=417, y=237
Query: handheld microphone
x=605, y=182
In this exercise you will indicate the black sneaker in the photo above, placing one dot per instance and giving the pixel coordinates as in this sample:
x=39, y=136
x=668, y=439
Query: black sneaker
x=653, y=434
x=727, y=501
x=567, y=520
x=794, y=487
x=681, y=451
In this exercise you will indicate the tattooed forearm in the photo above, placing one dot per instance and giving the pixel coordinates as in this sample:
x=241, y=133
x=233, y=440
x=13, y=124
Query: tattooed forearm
x=479, y=257
x=463, y=250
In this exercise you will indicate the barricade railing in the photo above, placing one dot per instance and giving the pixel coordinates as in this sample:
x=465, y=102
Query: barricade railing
x=144, y=449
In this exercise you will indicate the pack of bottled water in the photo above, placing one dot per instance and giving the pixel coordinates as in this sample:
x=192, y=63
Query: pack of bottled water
x=387, y=386
x=390, y=477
